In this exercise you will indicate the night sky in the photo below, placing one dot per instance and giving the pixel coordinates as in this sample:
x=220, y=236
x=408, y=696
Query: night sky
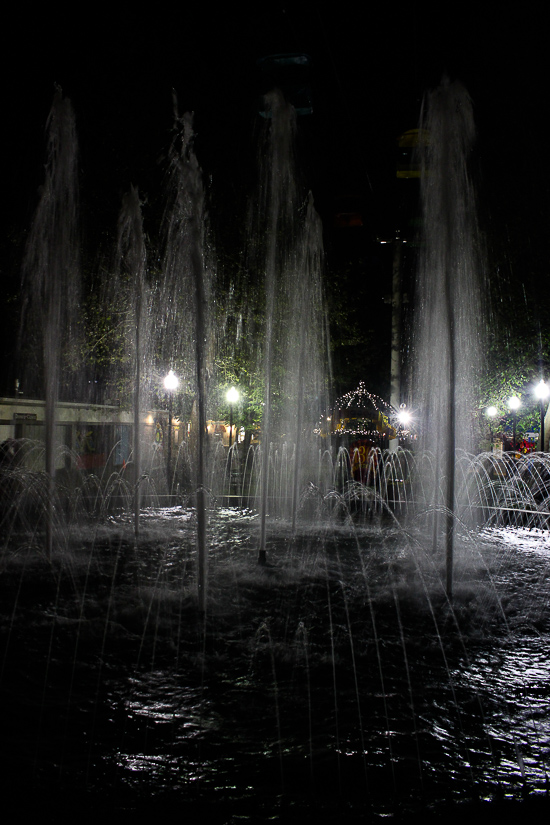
x=370, y=68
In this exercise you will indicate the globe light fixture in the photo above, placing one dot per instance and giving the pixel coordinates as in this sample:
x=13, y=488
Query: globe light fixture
x=542, y=391
x=404, y=417
x=232, y=395
x=171, y=381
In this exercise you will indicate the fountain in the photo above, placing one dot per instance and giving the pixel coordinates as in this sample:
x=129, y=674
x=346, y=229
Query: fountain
x=337, y=682
x=187, y=281
x=449, y=299
x=293, y=358
x=132, y=255
x=50, y=272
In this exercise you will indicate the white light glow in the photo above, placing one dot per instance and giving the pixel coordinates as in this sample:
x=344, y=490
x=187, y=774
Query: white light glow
x=171, y=381
x=232, y=395
x=542, y=390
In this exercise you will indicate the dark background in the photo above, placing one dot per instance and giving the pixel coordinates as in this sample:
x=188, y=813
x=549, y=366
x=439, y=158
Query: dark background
x=370, y=68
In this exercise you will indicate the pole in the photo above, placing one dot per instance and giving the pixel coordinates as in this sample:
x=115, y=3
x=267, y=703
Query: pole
x=396, y=303
x=169, y=457
x=137, y=445
x=230, y=424
x=542, y=425
x=451, y=453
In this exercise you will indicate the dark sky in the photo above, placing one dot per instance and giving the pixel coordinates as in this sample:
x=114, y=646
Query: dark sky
x=370, y=67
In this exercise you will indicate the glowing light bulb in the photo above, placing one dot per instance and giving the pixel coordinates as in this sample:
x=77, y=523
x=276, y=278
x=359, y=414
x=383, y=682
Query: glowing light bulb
x=542, y=390
x=171, y=381
x=232, y=395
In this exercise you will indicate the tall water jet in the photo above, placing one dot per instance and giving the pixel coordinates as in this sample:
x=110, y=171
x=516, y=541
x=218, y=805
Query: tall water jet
x=290, y=239
x=448, y=299
x=50, y=271
x=279, y=197
x=184, y=304
x=133, y=263
x=306, y=379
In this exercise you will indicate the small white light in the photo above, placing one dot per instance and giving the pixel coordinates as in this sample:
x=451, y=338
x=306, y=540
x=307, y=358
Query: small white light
x=171, y=381
x=492, y=411
x=514, y=403
x=232, y=395
x=542, y=390
x=404, y=417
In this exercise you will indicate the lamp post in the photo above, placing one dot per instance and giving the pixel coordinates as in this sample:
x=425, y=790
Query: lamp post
x=542, y=391
x=514, y=403
x=171, y=383
x=491, y=413
x=232, y=397
x=403, y=416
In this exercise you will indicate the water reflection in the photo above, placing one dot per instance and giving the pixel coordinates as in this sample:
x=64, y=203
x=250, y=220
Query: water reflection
x=340, y=670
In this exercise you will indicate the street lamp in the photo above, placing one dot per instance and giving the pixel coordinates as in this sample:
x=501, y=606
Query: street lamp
x=404, y=417
x=171, y=383
x=514, y=403
x=491, y=413
x=232, y=397
x=542, y=391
